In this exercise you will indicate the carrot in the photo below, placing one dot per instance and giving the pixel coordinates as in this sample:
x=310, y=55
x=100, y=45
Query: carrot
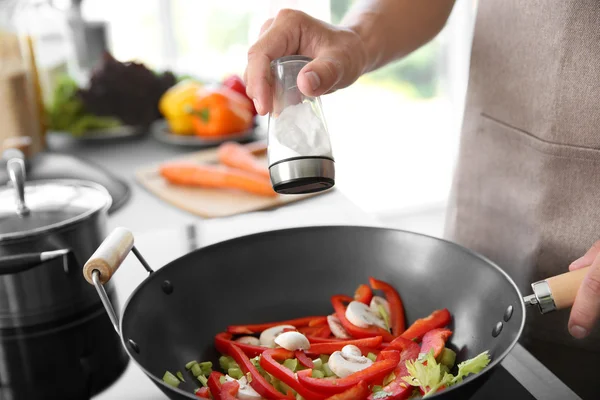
x=216, y=176
x=236, y=155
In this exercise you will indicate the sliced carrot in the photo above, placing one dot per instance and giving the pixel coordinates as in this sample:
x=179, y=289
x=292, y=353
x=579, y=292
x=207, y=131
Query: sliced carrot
x=216, y=176
x=236, y=155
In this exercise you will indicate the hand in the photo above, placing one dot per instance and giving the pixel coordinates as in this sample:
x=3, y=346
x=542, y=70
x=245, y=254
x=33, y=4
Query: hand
x=586, y=310
x=339, y=56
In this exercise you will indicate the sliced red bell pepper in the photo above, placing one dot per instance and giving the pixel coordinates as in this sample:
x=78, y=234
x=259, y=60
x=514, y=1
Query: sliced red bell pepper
x=257, y=328
x=364, y=294
x=435, y=340
x=330, y=347
x=398, y=389
x=303, y=359
x=214, y=384
x=397, y=319
x=203, y=393
x=229, y=390
x=322, y=331
x=314, y=339
x=223, y=341
x=340, y=311
x=269, y=362
x=437, y=319
x=375, y=372
x=358, y=392
x=258, y=383
x=320, y=321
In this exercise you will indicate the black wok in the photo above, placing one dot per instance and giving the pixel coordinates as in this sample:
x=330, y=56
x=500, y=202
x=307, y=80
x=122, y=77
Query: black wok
x=172, y=317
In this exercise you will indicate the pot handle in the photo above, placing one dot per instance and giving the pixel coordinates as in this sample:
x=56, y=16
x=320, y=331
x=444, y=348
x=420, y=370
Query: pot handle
x=106, y=260
x=24, y=262
x=557, y=292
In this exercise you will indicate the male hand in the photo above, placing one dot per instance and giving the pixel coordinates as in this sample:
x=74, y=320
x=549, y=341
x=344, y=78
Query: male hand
x=586, y=310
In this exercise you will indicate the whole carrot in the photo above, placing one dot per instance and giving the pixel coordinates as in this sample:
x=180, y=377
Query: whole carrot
x=216, y=176
x=236, y=155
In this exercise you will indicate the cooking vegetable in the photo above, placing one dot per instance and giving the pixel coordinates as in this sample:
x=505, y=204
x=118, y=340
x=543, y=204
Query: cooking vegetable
x=171, y=379
x=437, y=319
x=203, y=393
x=268, y=336
x=236, y=155
x=448, y=357
x=180, y=376
x=214, y=384
x=219, y=112
x=336, y=327
x=223, y=341
x=361, y=315
x=348, y=361
x=229, y=390
x=251, y=340
x=358, y=392
x=236, y=83
x=304, y=360
x=292, y=341
x=216, y=176
x=364, y=294
x=330, y=347
x=340, y=310
x=396, y=308
x=376, y=371
x=175, y=105
x=245, y=391
x=258, y=328
x=434, y=340
x=322, y=331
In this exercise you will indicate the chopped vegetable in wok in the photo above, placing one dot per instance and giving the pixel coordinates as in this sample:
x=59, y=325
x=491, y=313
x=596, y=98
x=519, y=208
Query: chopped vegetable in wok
x=360, y=351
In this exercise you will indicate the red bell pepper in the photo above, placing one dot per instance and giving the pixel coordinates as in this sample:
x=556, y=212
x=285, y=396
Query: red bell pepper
x=319, y=321
x=269, y=361
x=375, y=372
x=364, y=294
x=314, y=339
x=396, y=307
x=236, y=83
x=214, y=384
x=258, y=328
x=358, y=392
x=398, y=389
x=303, y=359
x=321, y=331
x=258, y=383
x=330, y=347
x=435, y=340
x=340, y=311
x=203, y=393
x=229, y=390
x=223, y=341
x=437, y=319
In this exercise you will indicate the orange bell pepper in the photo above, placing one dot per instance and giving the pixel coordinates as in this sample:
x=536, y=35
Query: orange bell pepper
x=220, y=112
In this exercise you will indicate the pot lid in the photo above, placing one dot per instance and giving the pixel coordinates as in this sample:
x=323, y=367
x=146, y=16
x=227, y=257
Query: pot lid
x=50, y=204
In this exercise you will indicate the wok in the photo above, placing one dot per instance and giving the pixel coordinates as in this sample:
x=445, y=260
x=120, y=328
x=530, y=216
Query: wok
x=173, y=315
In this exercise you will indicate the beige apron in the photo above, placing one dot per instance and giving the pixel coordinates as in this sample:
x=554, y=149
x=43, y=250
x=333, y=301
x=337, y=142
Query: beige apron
x=526, y=192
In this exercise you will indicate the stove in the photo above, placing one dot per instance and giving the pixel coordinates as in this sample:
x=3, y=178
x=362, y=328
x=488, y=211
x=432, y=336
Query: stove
x=520, y=376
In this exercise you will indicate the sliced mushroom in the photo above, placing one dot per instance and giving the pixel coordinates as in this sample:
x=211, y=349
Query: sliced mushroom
x=377, y=301
x=292, y=341
x=348, y=361
x=245, y=392
x=336, y=327
x=267, y=337
x=362, y=316
x=251, y=340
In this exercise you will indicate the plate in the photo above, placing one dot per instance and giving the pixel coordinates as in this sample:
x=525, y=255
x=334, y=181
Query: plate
x=160, y=131
x=101, y=135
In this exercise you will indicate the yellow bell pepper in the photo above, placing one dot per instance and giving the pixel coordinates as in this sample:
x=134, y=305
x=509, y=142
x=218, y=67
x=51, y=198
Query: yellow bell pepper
x=175, y=103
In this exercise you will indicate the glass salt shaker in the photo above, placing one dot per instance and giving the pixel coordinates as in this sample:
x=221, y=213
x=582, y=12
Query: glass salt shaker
x=299, y=148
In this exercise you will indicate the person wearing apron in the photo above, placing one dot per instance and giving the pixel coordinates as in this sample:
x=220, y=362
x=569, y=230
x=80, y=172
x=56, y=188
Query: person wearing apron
x=526, y=192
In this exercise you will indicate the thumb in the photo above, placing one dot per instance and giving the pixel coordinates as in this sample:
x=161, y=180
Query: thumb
x=321, y=75
x=587, y=259
x=586, y=309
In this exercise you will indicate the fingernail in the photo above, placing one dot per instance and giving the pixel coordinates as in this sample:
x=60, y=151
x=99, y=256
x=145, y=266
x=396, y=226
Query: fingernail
x=578, y=332
x=580, y=262
x=257, y=105
x=313, y=79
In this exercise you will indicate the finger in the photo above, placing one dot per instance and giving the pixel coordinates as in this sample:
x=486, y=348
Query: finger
x=266, y=25
x=321, y=75
x=586, y=309
x=587, y=259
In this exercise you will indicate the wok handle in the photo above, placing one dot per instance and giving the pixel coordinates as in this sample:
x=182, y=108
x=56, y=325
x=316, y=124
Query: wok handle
x=23, y=262
x=107, y=259
x=557, y=292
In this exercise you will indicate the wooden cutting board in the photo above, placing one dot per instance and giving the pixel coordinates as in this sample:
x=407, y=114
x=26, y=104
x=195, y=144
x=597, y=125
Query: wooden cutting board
x=211, y=203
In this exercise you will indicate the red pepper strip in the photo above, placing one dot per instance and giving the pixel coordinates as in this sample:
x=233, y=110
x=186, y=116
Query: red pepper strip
x=229, y=390
x=258, y=383
x=355, y=331
x=364, y=294
x=437, y=319
x=435, y=340
x=375, y=372
x=223, y=341
x=214, y=384
x=320, y=321
x=303, y=359
x=358, y=392
x=257, y=328
x=396, y=307
x=269, y=362
x=398, y=389
x=203, y=393
x=328, y=348
x=314, y=339
x=315, y=331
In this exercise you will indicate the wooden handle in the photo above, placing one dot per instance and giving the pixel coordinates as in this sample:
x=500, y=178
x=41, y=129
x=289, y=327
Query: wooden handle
x=109, y=256
x=564, y=287
x=21, y=143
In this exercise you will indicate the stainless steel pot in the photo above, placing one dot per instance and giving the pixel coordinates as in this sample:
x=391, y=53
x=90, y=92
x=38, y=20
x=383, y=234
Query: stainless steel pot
x=47, y=231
